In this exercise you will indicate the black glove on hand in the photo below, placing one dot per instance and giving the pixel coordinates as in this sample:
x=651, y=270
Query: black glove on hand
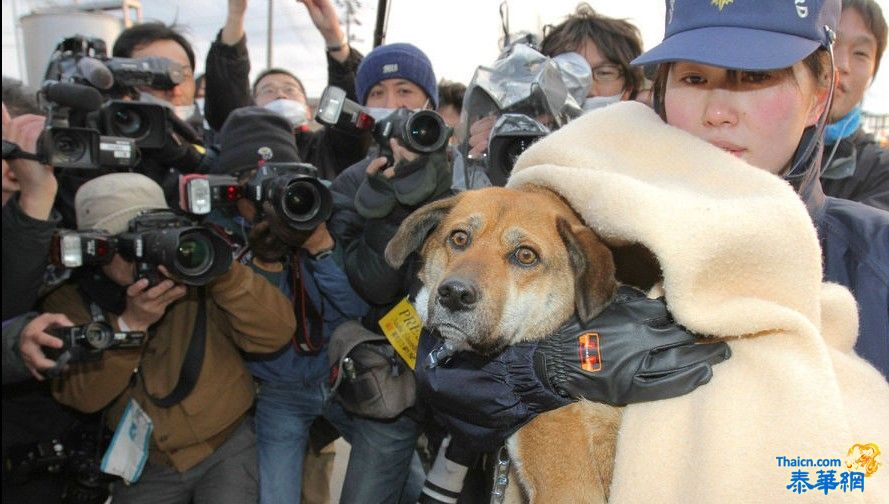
x=375, y=197
x=293, y=238
x=265, y=245
x=642, y=355
x=418, y=181
x=482, y=401
x=632, y=352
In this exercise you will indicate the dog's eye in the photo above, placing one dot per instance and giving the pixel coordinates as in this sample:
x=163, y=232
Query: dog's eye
x=459, y=239
x=525, y=256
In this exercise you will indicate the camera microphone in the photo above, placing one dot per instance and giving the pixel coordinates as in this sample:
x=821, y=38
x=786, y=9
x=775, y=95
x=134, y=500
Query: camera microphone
x=72, y=95
x=95, y=72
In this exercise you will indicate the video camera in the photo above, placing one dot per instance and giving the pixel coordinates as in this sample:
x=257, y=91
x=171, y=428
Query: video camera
x=422, y=132
x=531, y=94
x=85, y=133
x=193, y=255
x=87, y=342
x=296, y=193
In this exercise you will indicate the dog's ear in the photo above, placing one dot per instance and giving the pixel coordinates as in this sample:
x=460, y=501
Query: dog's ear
x=413, y=231
x=593, y=268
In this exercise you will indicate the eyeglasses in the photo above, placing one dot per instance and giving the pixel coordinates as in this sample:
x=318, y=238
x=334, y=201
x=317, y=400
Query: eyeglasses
x=607, y=72
x=291, y=90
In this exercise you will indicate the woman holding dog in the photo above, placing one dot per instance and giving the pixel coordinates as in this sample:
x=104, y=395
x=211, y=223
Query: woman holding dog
x=739, y=255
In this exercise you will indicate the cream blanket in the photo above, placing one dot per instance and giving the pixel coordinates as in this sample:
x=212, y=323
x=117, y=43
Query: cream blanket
x=741, y=260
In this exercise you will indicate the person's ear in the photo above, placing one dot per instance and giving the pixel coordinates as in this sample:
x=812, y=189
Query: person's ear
x=819, y=98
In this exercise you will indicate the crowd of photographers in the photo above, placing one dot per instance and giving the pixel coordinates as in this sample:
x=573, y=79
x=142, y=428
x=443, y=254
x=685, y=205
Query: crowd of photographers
x=199, y=267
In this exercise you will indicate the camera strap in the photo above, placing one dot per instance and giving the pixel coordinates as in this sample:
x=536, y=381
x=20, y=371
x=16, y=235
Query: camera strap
x=193, y=362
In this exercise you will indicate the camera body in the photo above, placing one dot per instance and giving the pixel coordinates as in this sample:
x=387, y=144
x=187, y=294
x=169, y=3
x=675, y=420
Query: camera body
x=87, y=342
x=510, y=136
x=193, y=255
x=296, y=193
x=423, y=131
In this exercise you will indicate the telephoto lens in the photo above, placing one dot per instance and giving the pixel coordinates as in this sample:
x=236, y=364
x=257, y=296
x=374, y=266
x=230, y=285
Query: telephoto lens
x=299, y=197
x=193, y=255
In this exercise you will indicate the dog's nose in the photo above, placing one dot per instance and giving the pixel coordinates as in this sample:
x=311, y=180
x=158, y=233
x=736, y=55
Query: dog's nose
x=457, y=295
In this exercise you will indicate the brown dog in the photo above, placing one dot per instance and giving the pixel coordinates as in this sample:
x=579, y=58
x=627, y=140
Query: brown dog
x=502, y=266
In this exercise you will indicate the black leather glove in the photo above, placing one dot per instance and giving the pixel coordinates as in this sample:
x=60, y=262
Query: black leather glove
x=643, y=355
x=632, y=352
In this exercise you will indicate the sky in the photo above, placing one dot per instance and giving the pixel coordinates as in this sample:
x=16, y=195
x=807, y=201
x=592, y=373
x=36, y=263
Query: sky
x=458, y=35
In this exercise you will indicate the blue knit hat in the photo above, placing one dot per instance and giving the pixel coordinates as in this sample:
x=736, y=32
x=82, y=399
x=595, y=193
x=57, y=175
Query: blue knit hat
x=396, y=61
x=744, y=34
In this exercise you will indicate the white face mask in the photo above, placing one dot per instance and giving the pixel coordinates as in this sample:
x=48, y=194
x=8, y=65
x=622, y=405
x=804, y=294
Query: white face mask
x=596, y=102
x=379, y=113
x=183, y=112
x=295, y=112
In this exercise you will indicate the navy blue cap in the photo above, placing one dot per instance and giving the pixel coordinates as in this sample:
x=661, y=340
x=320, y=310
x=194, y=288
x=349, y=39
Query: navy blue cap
x=396, y=61
x=744, y=34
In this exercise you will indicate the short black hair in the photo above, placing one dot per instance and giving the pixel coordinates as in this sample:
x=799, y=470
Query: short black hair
x=451, y=93
x=143, y=34
x=617, y=39
x=18, y=98
x=272, y=71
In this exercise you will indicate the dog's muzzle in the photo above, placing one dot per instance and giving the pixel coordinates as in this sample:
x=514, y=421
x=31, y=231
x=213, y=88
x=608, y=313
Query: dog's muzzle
x=457, y=294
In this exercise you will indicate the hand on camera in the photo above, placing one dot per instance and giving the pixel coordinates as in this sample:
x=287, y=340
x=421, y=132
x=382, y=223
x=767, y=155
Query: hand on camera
x=36, y=182
x=146, y=305
x=479, y=132
x=34, y=337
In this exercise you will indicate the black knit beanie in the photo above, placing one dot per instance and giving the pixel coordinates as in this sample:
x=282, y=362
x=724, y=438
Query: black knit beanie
x=252, y=134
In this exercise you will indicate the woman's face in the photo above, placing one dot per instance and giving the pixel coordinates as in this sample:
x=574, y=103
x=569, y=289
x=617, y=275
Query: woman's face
x=757, y=116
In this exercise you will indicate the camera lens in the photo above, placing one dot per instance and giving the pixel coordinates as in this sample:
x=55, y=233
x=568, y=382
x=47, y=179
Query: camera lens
x=425, y=130
x=129, y=123
x=98, y=335
x=67, y=148
x=194, y=255
x=301, y=201
x=514, y=149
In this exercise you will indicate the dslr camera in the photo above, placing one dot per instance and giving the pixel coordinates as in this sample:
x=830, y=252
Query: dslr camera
x=296, y=193
x=422, y=132
x=193, y=255
x=87, y=342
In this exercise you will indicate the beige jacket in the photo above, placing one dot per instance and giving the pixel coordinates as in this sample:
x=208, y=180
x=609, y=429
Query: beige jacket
x=741, y=261
x=244, y=311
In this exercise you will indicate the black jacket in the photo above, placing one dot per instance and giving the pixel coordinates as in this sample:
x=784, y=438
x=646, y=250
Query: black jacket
x=364, y=243
x=855, y=249
x=228, y=88
x=25, y=257
x=858, y=170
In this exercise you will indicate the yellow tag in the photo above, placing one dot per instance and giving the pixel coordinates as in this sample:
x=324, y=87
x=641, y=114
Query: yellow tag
x=402, y=328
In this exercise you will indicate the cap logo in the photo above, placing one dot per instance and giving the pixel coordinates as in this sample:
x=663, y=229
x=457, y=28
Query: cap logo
x=721, y=3
x=390, y=67
x=802, y=10
x=265, y=153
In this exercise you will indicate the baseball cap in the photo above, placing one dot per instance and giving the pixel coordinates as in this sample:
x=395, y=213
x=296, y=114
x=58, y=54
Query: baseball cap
x=111, y=201
x=744, y=34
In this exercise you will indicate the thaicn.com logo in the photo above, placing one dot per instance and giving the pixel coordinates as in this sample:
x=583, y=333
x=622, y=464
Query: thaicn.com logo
x=832, y=475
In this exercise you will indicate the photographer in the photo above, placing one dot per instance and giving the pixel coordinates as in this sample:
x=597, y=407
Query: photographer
x=188, y=377
x=373, y=196
x=28, y=217
x=228, y=68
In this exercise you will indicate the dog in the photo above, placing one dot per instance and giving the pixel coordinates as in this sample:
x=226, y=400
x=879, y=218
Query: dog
x=502, y=266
